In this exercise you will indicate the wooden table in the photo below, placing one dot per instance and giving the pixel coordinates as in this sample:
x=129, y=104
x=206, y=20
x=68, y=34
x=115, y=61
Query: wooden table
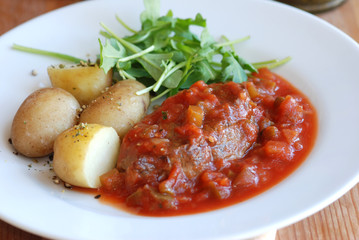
x=340, y=220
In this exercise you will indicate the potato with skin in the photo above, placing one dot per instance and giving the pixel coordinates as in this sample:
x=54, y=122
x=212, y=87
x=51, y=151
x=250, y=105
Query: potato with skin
x=119, y=107
x=41, y=118
x=84, y=82
x=84, y=152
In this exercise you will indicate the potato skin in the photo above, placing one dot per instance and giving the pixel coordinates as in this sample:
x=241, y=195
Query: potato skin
x=85, y=83
x=40, y=119
x=119, y=107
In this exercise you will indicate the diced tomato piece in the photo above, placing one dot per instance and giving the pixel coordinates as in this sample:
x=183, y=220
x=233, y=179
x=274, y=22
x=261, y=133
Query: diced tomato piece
x=175, y=183
x=290, y=135
x=270, y=133
x=265, y=73
x=195, y=115
x=289, y=111
x=247, y=177
x=218, y=184
x=252, y=90
x=189, y=131
x=112, y=180
x=149, y=198
x=278, y=149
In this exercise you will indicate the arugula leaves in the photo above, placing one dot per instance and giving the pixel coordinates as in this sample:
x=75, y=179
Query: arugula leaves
x=166, y=56
x=171, y=53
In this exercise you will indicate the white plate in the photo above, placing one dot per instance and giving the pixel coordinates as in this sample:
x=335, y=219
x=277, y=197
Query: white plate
x=324, y=67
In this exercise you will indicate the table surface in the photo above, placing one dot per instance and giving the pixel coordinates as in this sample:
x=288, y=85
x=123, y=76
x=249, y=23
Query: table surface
x=340, y=220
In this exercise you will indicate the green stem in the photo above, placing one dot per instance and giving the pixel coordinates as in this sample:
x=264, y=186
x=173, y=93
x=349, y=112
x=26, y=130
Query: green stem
x=227, y=40
x=279, y=63
x=146, y=90
x=128, y=46
x=161, y=94
x=177, y=67
x=272, y=63
x=47, y=53
x=264, y=63
x=111, y=32
x=164, y=76
x=231, y=43
x=136, y=55
x=125, y=25
x=125, y=75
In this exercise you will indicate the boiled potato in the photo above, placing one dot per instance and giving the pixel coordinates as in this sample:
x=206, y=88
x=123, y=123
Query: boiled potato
x=84, y=82
x=119, y=107
x=41, y=118
x=84, y=152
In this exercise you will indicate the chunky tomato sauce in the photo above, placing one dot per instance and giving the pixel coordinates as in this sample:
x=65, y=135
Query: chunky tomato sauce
x=212, y=146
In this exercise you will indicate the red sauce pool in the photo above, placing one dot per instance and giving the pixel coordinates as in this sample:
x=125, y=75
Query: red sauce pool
x=212, y=146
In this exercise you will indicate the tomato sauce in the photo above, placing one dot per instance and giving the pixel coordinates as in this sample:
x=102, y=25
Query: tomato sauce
x=212, y=146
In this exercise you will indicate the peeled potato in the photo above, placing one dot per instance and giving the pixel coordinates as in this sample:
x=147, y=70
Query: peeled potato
x=84, y=82
x=40, y=119
x=84, y=152
x=119, y=107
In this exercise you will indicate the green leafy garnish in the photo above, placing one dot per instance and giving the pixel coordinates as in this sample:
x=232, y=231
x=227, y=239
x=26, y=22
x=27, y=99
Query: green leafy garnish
x=232, y=69
x=178, y=57
x=166, y=56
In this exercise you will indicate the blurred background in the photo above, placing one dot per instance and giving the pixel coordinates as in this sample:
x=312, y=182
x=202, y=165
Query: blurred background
x=314, y=6
x=340, y=220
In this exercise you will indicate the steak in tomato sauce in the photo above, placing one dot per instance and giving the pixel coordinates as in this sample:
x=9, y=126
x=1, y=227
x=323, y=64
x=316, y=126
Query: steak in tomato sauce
x=213, y=145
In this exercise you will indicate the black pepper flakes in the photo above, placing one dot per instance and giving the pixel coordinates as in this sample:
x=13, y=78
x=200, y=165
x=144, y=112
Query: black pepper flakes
x=97, y=196
x=10, y=141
